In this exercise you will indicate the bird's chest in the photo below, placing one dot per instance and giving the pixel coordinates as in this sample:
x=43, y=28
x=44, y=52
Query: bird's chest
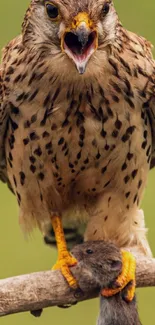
x=78, y=141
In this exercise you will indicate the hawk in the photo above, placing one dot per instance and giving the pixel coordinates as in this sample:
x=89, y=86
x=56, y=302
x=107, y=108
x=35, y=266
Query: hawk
x=77, y=121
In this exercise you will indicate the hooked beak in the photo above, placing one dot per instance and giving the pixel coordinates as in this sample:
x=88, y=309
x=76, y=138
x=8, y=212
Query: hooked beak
x=80, y=41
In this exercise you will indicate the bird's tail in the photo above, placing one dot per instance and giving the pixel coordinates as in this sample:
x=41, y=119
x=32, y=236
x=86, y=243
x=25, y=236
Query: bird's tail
x=74, y=236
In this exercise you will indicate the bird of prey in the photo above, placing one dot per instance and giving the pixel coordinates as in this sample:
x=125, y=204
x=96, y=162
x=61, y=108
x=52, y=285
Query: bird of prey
x=77, y=125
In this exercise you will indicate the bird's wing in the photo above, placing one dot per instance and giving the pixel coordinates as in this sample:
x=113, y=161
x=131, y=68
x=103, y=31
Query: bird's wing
x=150, y=109
x=151, y=114
x=3, y=127
x=149, y=104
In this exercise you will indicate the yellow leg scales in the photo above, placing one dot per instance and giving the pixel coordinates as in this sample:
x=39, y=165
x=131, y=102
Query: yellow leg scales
x=65, y=259
x=127, y=276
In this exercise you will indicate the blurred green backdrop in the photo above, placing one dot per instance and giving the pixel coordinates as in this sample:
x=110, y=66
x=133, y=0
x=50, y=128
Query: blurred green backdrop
x=18, y=256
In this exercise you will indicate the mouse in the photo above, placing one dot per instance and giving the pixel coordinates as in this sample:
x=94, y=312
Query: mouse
x=104, y=261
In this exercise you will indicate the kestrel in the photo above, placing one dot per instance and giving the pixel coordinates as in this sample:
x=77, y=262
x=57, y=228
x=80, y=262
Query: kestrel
x=77, y=124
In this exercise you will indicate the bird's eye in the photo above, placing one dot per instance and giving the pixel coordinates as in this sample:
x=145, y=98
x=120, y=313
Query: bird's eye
x=89, y=251
x=105, y=8
x=52, y=11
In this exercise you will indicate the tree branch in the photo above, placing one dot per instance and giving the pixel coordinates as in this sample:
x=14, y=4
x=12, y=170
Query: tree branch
x=44, y=289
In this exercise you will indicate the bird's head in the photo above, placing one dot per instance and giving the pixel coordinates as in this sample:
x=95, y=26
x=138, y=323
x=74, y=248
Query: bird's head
x=78, y=29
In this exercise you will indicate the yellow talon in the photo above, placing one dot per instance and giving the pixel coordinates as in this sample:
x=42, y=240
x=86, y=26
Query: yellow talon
x=65, y=259
x=127, y=276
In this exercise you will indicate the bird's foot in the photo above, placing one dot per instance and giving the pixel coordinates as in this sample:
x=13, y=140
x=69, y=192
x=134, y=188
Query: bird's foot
x=127, y=276
x=65, y=259
x=63, y=264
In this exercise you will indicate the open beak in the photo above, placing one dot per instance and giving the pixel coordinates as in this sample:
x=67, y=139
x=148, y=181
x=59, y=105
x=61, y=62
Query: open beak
x=80, y=41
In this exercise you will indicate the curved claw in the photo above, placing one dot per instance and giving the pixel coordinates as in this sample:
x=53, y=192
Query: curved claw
x=63, y=265
x=127, y=276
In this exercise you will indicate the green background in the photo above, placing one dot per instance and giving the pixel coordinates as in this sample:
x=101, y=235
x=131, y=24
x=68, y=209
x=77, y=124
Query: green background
x=17, y=255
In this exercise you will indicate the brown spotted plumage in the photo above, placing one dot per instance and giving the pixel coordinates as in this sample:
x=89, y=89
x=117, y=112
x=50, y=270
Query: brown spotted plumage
x=77, y=139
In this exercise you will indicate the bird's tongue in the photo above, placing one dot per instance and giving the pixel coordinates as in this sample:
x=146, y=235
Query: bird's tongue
x=78, y=50
x=82, y=55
